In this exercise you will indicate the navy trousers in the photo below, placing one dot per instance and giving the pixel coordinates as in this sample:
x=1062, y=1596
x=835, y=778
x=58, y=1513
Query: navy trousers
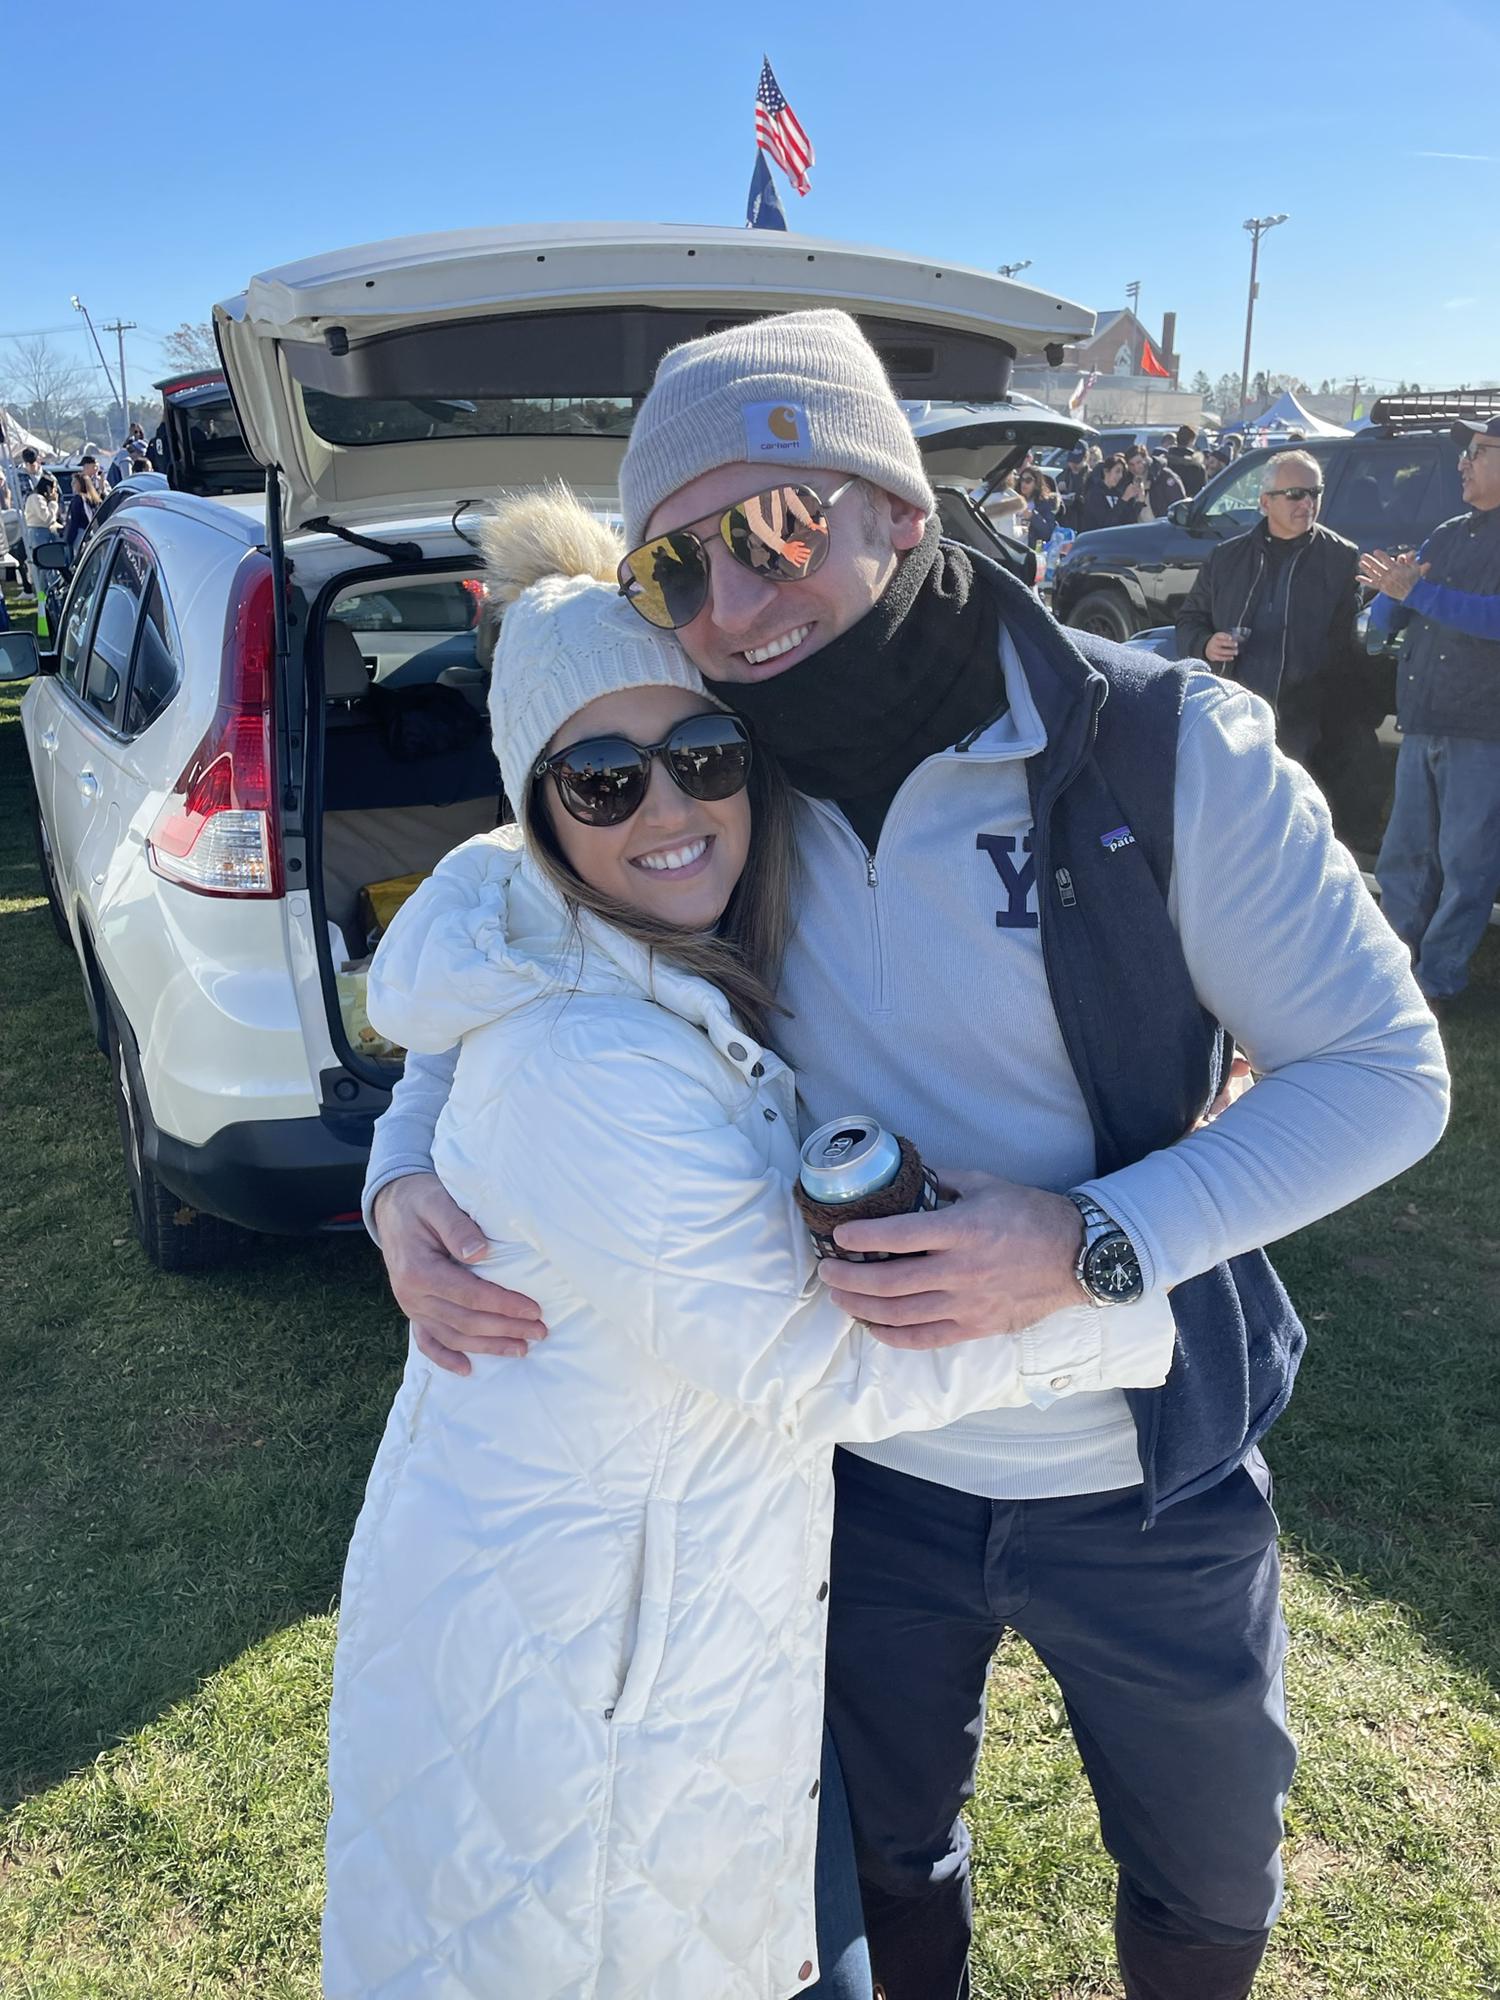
x=1167, y=1646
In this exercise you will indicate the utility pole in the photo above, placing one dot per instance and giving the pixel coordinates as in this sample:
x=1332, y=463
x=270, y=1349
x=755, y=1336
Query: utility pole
x=1257, y=226
x=121, y=327
x=79, y=307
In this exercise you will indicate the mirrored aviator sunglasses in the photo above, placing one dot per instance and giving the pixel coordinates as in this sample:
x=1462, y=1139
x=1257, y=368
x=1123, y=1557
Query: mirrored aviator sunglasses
x=780, y=535
x=604, y=779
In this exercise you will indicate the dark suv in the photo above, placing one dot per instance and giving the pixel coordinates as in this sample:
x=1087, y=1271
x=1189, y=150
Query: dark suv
x=1387, y=486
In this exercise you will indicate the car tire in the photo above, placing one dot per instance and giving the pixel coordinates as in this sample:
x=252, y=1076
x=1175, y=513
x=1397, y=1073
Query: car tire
x=48, y=874
x=1106, y=614
x=174, y=1236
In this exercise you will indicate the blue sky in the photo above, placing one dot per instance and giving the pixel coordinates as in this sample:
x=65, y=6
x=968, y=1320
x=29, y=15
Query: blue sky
x=1104, y=142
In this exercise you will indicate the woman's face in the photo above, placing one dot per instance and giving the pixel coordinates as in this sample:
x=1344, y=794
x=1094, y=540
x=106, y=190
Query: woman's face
x=1028, y=483
x=676, y=859
x=1113, y=474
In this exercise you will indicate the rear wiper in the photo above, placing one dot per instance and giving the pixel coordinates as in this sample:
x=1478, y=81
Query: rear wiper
x=401, y=552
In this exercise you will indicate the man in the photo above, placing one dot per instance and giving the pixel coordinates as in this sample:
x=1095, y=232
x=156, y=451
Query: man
x=996, y=951
x=1185, y=462
x=134, y=446
x=1152, y=489
x=1071, y=481
x=1439, y=866
x=1215, y=458
x=1275, y=610
x=30, y=472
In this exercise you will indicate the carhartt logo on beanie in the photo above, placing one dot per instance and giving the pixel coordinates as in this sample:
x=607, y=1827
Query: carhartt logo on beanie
x=803, y=389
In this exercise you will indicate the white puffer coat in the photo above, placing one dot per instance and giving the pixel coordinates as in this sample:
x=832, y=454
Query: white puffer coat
x=578, y=1699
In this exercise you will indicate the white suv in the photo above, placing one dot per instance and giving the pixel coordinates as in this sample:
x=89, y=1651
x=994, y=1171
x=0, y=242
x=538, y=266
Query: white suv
x=260, y=707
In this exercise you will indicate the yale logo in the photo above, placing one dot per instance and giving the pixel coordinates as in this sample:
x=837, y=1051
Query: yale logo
x=774, y=430
x=1017, y=880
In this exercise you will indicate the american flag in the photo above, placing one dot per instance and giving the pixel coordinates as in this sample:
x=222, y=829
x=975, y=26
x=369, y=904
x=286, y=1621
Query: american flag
x=777, y=130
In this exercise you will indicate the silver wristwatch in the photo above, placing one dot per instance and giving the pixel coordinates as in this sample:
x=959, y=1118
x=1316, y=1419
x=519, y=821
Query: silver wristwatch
x=1107, y=1266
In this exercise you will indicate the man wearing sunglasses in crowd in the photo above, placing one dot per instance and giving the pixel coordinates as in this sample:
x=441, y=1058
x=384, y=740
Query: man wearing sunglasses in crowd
x=1275, y=610
x=1439, y=867
x=1037, y=872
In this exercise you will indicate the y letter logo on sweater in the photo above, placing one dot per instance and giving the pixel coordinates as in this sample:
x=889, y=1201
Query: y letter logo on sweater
x=1019, y=884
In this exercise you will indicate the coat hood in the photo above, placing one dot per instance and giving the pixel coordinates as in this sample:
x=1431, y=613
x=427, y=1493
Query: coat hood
x=487, y=934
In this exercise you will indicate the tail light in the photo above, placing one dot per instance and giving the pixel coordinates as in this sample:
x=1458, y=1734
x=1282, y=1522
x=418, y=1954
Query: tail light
x=217, y=833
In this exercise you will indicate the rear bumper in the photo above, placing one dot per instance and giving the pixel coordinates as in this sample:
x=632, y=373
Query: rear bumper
x=282, y=1176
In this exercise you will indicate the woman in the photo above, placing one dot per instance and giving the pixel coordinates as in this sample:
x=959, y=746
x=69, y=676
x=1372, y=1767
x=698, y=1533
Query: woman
x=82, y=508
x=576, y=1737
x=1104, y=494
x=40, y=523
x=1039, y=490
x=1005, y=506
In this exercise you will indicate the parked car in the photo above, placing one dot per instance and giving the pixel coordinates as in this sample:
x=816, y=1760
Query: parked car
x=198, y=446
x=264, y=712
x=1385, y=487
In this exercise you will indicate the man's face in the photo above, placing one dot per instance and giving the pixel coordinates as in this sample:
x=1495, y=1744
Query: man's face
x=1287, y=517
x=1140, y=464
x=751, y=629
x=1480, y=473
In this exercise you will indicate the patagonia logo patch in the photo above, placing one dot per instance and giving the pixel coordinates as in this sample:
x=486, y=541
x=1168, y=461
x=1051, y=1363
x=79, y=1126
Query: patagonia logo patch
x=1121, y=837
x=775, y=430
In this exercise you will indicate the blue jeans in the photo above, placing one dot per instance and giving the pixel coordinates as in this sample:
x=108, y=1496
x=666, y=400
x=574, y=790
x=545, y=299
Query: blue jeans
x=843, y=1957
x=1167, y=1648
x=1439, y=866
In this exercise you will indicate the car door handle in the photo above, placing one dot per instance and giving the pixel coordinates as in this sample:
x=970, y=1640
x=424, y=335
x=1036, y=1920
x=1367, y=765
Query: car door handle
x=49, y=739
x=88, y=786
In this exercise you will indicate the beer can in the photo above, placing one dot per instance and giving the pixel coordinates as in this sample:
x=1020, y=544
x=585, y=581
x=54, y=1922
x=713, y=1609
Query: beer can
x=849, y=1166
x=849, y=1158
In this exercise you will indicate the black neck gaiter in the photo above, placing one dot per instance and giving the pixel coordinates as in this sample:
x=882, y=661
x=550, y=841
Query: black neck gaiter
x=918, y=672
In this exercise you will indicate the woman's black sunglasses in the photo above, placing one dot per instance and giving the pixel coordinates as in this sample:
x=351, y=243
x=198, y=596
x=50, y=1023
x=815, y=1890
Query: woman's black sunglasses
x=604, y=779
x=781, y=535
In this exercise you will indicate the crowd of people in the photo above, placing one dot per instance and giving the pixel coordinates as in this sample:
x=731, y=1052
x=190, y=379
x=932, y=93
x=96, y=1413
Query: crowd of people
x=51, y=512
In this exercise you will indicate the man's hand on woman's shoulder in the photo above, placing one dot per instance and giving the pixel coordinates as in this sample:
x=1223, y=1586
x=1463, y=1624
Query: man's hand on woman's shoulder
x=428, y=1244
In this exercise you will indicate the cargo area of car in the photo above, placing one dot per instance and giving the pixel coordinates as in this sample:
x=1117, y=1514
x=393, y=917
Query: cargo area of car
x=402, y=770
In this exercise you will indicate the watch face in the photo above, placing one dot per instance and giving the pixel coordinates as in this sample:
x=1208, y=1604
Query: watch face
x=1112, y=1272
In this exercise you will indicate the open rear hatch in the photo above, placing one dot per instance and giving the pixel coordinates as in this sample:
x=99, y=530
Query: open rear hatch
x=401, y=377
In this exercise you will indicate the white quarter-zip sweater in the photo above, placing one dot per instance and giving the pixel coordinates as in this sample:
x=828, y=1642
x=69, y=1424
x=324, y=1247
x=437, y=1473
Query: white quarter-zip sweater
x=918, y=993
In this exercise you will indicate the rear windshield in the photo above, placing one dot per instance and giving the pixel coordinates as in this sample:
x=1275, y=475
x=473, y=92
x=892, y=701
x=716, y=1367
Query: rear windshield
x=356, y=420
x=444, y=604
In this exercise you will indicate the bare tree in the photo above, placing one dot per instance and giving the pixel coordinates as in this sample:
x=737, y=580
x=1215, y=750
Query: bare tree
x=45, y=387
x=192, y=346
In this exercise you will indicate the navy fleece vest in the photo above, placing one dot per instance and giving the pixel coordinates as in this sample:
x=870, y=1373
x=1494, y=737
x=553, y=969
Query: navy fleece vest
x=1147, y=1057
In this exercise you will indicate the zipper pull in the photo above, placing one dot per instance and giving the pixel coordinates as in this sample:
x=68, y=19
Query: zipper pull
x=870, y=876
x=1065, y=893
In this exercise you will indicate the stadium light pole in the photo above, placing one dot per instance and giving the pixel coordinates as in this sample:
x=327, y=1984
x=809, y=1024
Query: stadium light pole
x=1257, y=226
x=79, y=307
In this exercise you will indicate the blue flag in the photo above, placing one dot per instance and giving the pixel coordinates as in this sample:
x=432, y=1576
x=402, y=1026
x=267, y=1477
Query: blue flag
x=763, y=210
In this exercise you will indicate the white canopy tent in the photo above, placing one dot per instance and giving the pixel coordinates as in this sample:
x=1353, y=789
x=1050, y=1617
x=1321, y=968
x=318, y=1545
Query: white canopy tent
x=15, y=438
x=1287, y=414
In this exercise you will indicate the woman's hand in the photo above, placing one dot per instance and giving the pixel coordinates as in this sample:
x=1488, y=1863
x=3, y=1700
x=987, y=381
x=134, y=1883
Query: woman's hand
x=427, y=1242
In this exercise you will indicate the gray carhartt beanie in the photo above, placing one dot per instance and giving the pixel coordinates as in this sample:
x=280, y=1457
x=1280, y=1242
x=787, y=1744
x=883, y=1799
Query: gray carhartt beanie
x=803, y=389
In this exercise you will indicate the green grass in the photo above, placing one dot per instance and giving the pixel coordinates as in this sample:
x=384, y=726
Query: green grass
x=181, y=1461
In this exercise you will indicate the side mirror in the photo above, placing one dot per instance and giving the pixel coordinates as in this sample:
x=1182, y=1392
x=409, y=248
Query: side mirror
x=1178, y=513
x=51, y=555
x=19, y=658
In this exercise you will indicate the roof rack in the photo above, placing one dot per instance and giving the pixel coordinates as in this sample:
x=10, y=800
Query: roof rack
x=1428, y=409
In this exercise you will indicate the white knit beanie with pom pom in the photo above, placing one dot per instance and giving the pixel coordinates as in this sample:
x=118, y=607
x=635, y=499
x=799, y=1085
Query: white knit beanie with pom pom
x=567, y=635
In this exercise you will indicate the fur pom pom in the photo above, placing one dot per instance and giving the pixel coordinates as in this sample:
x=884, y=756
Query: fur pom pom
x=529, y=536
